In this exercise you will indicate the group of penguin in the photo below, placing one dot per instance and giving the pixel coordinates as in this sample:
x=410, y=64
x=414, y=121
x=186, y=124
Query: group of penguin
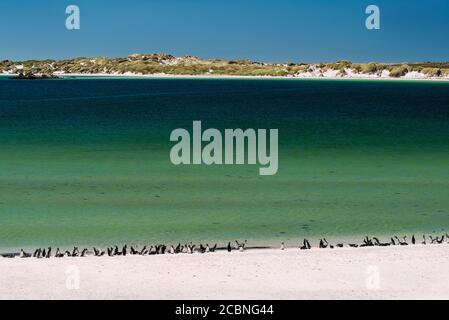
x=125, y=250
x=192, y=248
x=372, y=242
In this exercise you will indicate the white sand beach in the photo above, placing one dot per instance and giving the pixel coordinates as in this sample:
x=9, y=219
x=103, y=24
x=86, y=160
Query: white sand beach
x=404, y=272
x=328, y=76
x=411, y=76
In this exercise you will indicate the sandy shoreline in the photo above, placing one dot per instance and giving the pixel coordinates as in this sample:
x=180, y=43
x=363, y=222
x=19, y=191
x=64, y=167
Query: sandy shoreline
x=347, y=273
x=218, y=76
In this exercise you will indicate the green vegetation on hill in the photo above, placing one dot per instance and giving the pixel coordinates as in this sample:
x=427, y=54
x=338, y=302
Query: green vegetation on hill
x=188, y=65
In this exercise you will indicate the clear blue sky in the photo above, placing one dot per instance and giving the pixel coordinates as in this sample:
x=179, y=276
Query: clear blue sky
x=276, y=30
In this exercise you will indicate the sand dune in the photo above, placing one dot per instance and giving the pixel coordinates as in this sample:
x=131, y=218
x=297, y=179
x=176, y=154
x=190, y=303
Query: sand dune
x=365, y=273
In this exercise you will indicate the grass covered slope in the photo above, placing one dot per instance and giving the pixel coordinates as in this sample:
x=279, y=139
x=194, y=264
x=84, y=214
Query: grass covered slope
x=146, y=64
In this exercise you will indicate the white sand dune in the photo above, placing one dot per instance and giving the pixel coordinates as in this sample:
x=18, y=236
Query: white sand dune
x=316, y=75
x=364, y=273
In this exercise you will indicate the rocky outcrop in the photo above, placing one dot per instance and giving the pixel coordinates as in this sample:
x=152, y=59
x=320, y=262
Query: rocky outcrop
x=31, y=76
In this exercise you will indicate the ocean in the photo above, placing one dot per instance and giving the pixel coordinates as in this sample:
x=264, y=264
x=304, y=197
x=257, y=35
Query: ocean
x=87, y=161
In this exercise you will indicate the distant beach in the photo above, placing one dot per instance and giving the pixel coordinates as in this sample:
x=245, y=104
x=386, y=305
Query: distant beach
x=161, y=65
x=218, y=76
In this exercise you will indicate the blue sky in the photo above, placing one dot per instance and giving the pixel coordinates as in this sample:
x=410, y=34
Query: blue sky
x=277, y=30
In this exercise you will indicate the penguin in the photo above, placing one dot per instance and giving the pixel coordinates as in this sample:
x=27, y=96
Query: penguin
x=403, y=242
x=213, y=248
x=282, y=246
x=58, y=254
x=306, y=245
x=229, y=248
x=240, y=246
x=368, y=242
x=413, y=239
x=384, y=244
x=322, y=245
x=23, y=254
x=328, y=244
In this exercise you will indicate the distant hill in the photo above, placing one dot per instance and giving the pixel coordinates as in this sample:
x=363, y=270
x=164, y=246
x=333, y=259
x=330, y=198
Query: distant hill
x=147, y=64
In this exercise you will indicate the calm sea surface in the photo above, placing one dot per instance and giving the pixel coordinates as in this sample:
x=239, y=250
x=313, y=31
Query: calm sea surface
x=87, y=161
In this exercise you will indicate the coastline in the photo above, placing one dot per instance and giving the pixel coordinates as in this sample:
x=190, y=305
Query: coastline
x=410, y=272
x=271, y=243
x=237, y=77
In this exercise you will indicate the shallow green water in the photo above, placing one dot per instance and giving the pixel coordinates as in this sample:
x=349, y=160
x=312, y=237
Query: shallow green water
x=87, y=161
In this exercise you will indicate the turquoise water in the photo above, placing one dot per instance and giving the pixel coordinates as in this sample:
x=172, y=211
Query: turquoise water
x=87, y=161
